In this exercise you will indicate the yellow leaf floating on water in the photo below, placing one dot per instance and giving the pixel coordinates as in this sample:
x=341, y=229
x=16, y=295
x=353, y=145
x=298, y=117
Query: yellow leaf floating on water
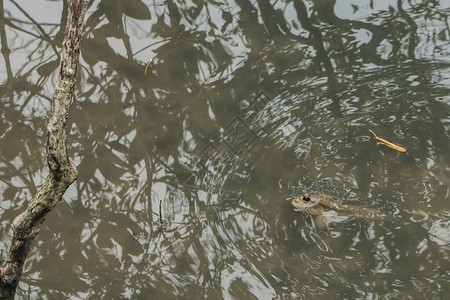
x=147, y=65
x=389, y=144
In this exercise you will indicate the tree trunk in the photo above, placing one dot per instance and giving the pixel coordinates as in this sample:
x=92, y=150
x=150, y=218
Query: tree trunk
x=62, y=171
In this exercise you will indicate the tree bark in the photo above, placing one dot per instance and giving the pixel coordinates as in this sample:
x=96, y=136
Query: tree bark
x=62, y=172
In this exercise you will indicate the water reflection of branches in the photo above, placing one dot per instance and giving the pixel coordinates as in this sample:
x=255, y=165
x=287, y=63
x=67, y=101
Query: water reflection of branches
x=43, y=33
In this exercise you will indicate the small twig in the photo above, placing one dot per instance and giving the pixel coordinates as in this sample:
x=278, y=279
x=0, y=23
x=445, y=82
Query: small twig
x=389, y=144
x=161, y=221
x=147, y=65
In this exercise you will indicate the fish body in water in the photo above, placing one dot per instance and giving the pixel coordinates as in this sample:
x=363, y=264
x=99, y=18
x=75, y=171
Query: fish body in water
x=322, y=206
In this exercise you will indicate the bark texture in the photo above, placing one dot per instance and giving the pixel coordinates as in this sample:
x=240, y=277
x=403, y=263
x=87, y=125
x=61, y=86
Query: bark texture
x=62, y=171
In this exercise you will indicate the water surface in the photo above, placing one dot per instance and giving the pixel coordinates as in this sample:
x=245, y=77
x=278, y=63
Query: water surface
x=186, y=173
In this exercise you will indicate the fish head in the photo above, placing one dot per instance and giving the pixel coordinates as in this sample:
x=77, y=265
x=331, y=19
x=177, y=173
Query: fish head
x=305, y=202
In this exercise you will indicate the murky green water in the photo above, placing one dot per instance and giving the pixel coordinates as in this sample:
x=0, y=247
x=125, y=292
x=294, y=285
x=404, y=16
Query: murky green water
x=186, y=173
